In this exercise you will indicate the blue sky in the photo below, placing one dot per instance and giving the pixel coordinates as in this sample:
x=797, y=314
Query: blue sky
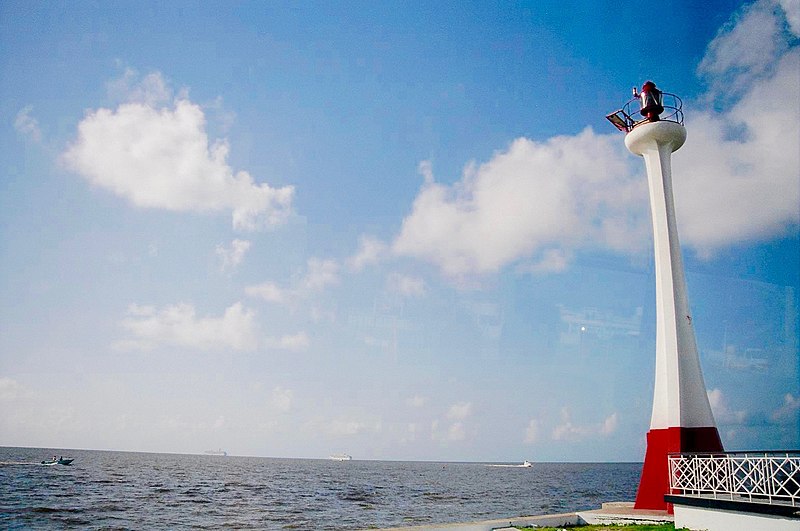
x=395, y=230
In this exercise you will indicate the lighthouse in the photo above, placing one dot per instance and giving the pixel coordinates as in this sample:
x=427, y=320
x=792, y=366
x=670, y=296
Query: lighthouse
x=682, y=420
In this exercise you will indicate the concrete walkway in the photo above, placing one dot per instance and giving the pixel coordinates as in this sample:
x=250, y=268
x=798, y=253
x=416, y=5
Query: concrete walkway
x=610, y=513
x=549, y=520
x=624, y=513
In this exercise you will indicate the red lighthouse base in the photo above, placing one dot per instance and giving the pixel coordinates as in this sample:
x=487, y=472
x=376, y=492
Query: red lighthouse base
x=655, y=472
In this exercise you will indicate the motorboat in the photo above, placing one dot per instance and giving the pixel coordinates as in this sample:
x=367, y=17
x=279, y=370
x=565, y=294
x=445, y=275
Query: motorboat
x=525, y=464
x=341, y=457
x=59, y=461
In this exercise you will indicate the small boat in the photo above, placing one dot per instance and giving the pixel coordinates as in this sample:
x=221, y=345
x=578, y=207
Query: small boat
x=525, y=464
x=216, y=452
x=59, y=461
x=341, y=457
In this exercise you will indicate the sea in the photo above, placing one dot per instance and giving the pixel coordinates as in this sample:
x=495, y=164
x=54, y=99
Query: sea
x=126, y=490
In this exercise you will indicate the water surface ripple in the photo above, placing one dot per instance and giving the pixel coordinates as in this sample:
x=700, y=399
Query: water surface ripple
x=123, y=490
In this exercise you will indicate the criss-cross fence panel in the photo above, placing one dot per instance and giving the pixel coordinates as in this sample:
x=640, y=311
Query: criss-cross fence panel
x=763, y=477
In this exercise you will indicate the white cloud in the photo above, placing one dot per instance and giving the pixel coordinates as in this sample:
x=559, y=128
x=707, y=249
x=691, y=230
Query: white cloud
x=741, y=190
x=346, y=427
x=610, y=424
x=231, y=257
x=269, y=291
x=735, y=179
x=370, y=251
x=159, y=156
x=531, y=198
x=551, y=261
x=27, y=125
x=791, y=9
x=406, y=285
x=459, y=411
x=722, y=413
x=532, y=432
x=788, y=411
x=152, y=90
x=282, y=399
x=743, y=49
x=416, y=401
x=737, y=176
x=319, y=274
x=178, y=325
x=568, y=431
x=296, y=342
x=9, y=389
x=456, y=432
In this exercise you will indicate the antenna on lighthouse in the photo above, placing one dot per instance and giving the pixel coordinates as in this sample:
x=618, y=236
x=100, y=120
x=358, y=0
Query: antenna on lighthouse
x=682, y=420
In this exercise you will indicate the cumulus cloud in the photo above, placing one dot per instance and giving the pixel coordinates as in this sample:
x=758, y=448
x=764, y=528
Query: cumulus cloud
x=568, y=431
x=157, y=154
x=610, y=424
x=416, y=401
x=455, y=431
x=550, y=261
x=346, y=427
x=737, y=176
x=454, y=428
x=268, y=291
x=9, y=389
x=722, y=412
x=294, y=342
x=151, y=90
x=27, y=125
x=281, y=399
x=788, y=411
x=408, y=286
x=540, y=201
x=231, y=257
x=459, y=411
x=792, y=10
x=532, y=432
x=319, y=274
x=743, y=49
x=370, y=251
x=534, y=196
x=178, y=325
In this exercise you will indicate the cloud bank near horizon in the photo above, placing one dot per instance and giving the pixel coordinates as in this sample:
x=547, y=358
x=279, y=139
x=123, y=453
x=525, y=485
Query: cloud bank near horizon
x=540, y=201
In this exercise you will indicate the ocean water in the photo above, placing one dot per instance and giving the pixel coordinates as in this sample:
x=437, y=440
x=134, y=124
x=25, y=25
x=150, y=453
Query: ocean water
x=124, y=490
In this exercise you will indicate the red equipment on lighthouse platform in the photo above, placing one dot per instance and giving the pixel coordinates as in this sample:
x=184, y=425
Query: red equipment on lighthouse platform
x=682, y=420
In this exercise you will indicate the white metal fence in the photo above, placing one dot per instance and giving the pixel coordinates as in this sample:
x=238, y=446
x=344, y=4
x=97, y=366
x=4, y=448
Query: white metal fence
x=761, y=477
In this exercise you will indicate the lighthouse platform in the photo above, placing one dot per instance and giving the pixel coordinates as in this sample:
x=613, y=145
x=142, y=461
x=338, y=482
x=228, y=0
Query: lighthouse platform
x=623, y=513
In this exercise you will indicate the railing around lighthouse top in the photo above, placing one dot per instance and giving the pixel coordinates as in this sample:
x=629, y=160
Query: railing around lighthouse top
x=771, y=477
x=629, y=117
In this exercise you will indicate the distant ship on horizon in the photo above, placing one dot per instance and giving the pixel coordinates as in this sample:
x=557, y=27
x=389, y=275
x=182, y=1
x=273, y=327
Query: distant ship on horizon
x=341, y=457
x=525, y=464
x=216, y=452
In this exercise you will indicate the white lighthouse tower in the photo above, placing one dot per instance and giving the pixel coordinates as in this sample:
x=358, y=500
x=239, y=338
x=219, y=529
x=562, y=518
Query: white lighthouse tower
x=682, y=420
